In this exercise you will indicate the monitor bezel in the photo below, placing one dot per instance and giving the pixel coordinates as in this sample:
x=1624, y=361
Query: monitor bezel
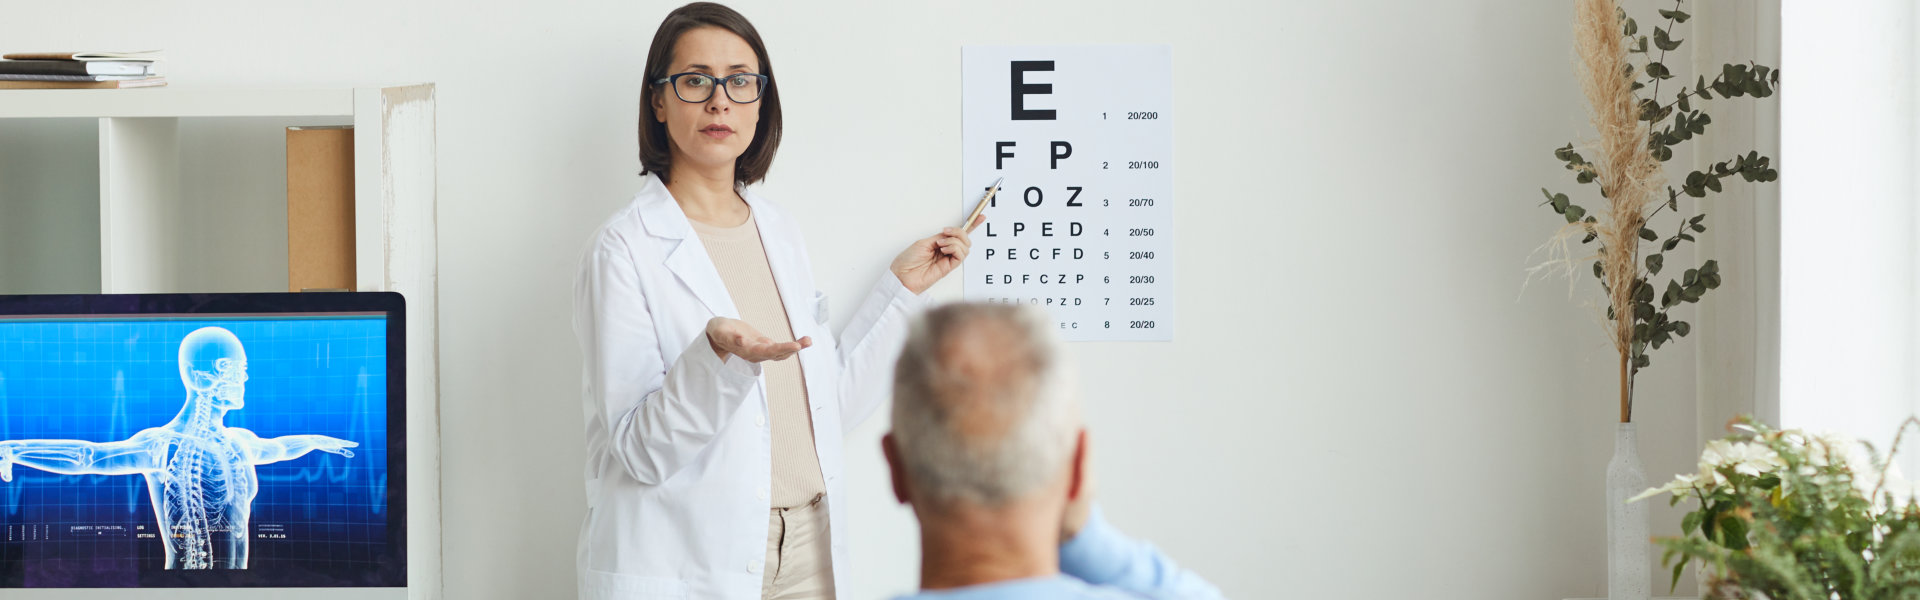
x=391, y=571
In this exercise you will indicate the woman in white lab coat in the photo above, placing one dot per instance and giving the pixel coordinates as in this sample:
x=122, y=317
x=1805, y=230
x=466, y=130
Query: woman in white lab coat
x=716, y=395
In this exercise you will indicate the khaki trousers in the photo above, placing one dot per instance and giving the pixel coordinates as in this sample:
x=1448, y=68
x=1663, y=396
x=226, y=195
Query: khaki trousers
x=799, y=560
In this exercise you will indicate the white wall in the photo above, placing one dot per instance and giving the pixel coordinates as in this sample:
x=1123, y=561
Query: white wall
x=1850, y=246
x=1357, y=405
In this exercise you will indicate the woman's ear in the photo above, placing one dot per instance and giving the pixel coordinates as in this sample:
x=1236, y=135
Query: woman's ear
x=658, y=100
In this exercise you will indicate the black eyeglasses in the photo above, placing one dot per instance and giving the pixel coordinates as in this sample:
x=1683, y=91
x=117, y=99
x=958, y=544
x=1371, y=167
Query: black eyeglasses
x=694, y=88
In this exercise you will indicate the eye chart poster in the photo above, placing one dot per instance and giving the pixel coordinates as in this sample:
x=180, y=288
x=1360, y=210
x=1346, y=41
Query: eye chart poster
x=1083, y=224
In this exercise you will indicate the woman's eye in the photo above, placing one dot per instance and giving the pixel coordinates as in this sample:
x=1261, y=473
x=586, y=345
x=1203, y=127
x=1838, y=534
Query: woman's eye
x=740, y=82
x=699, y=81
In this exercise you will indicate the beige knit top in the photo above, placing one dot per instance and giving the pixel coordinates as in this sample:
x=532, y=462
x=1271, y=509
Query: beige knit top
x=742, y=262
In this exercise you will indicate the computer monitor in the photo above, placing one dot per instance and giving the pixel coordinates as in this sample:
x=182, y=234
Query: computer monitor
x=203, y=441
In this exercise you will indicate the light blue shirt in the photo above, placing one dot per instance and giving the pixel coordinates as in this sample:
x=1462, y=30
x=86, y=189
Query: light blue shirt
x=1097, y=564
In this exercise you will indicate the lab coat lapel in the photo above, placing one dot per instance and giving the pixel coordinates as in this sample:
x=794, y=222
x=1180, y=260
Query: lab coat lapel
x=688, y=259
x=786, y=258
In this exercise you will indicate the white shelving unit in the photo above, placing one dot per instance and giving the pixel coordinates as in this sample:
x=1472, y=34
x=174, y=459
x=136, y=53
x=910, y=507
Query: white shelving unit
x=201, y=207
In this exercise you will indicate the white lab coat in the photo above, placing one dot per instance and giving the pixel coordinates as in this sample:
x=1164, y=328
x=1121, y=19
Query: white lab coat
x=679, y=452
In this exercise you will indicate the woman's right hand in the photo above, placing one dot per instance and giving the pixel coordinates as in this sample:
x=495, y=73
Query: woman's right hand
x=735, y=337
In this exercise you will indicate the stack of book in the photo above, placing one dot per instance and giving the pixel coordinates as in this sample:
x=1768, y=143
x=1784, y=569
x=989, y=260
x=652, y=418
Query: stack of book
x=79, y=70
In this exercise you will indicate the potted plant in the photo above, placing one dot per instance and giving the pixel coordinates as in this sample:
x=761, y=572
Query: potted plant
x=1636, y=137
x=1788, y=516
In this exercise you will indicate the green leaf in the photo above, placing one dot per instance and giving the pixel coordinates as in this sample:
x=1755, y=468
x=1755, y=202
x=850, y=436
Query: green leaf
x=1690, y=522
x=1671, y=296
x=1663, y=42
x=1670, y=245
x=1677, y=16
x=1632, y=27
x=1657, y=70
x=1598, y=273
x=1643, y=311
x=1698, y=228
x=1678, y=568
x=1649, y=235
x=1649, y=109
x=1574, y=213
x=1682, y=328
x=1683, y=100
x=1734, y=532
x=1654, y=261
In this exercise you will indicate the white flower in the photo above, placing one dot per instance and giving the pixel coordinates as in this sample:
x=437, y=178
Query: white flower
x=1829, y=447
x=1710, y=476
x=1754, y=459
x=1680, y=485
x=1715, y=455
x=1749, y=458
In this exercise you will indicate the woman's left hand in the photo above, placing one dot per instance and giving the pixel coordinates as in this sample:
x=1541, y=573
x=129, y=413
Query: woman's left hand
x=926, y=261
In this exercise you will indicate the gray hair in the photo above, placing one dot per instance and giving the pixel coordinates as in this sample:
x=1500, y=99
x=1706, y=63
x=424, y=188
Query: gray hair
x=984, y=406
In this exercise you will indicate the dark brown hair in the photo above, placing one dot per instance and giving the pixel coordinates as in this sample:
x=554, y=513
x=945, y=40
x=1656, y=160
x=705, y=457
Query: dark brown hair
x=656, y=154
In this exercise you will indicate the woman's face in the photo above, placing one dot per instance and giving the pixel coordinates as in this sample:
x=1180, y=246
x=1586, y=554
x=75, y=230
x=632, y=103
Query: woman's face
x=710, y=134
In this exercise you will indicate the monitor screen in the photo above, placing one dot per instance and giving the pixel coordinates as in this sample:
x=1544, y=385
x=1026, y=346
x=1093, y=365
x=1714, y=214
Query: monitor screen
x=224, y=440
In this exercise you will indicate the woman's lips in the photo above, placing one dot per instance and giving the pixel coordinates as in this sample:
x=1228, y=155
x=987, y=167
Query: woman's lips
x=718, y=132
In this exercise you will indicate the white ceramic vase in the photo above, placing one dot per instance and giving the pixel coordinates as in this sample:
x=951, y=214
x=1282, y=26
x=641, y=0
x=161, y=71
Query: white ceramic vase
x=1629, y=570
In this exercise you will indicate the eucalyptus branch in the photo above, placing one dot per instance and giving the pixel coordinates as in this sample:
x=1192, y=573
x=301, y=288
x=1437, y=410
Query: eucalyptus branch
x=1673, y=200
x=1663, y=51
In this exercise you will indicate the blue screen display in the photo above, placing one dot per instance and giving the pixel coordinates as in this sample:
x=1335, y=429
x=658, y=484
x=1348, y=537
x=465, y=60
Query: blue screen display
x=134, y=447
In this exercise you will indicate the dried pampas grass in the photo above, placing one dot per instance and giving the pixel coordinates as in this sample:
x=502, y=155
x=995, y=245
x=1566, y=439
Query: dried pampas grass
x=1628, y=174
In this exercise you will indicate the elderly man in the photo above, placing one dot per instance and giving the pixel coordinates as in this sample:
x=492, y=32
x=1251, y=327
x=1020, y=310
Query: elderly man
x=988, y=448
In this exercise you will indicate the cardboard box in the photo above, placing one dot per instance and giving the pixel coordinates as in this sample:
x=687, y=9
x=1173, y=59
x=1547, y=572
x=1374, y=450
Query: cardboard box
x=320, y=229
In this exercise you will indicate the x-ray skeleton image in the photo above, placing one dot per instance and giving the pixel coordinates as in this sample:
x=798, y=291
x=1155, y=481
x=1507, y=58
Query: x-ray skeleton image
x=199, y=472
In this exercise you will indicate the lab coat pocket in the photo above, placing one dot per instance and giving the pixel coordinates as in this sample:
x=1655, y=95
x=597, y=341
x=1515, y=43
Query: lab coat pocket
x=602, y=585
x=822, y=327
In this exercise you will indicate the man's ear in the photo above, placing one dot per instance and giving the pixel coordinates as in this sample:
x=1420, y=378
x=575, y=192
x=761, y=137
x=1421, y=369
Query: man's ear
x=1076, y=484
x=896, y=468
